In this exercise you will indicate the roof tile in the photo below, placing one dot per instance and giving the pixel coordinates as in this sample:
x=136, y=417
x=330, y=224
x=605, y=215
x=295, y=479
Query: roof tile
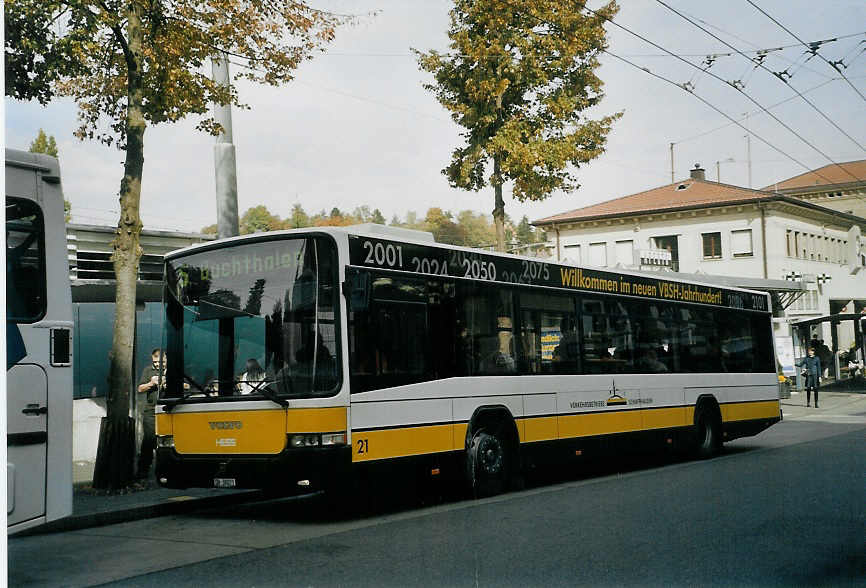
x=684, y=194
x=828, y=175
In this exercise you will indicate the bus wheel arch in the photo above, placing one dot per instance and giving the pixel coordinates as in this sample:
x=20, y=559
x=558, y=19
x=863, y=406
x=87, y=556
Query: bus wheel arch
x=491, y=450
x=707, y=427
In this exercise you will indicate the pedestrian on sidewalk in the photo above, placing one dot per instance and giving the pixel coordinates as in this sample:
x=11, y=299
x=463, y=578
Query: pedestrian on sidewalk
x=812, y=369
x=152, y=379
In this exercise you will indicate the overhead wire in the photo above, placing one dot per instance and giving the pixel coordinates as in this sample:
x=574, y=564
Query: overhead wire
x=811, y=47
x=726, y=82
x=713, y=130
x=762, y=66
x=718, y=110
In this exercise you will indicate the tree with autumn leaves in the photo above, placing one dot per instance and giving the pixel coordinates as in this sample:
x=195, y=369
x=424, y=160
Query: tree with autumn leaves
x=518, y=77
x=133, y=63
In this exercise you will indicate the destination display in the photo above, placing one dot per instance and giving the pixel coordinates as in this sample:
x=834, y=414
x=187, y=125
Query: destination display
x=422, y=259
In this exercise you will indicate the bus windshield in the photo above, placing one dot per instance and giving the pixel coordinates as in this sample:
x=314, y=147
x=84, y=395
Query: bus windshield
x=254, y=319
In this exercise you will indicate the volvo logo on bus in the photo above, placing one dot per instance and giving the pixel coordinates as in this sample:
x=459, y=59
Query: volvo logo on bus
x=214, y=425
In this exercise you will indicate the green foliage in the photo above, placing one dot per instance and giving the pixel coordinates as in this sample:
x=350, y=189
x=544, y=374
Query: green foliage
x=259, y=219
x=86, y=50
x=517, y=78
x=209, y=230
x=466, y=228
x=67, y=210
x=44, y=144
x=298, y=218
x=377, y=217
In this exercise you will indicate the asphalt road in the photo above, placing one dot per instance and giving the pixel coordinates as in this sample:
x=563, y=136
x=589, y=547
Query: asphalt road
x=785, y=507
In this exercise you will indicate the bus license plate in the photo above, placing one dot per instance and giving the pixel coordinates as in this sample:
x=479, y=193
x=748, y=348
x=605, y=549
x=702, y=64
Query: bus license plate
x=224, y=483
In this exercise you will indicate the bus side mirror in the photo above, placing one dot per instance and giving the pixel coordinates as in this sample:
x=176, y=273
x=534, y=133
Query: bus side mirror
x=356, y=289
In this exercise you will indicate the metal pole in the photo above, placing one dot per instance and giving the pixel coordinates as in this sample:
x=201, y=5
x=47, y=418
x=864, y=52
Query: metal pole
x=749, y=150
x=672, y=164
x=225, y=166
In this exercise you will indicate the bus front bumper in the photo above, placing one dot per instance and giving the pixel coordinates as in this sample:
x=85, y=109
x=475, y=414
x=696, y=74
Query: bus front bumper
x=308, y=467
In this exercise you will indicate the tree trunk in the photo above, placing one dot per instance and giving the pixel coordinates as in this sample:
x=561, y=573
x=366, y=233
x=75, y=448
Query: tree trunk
x=116, y=452
x=499, y=208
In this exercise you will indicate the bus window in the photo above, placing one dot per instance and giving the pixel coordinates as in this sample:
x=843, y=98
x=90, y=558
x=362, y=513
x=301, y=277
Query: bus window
x=25, y=261
x=253, y=312
x=607, y=336
x=655, y=336
x=388, y=339
x=486, y=312
x=548, y=334
x=699, y=340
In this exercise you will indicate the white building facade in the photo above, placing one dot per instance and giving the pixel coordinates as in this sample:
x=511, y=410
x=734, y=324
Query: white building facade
x=700, y=227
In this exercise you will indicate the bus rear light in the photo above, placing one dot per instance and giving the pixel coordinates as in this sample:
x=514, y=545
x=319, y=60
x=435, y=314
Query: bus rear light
x=165, y=441
x=334, y=439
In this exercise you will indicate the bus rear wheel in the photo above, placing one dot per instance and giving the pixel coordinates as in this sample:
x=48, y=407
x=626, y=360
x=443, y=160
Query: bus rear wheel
x=486, y=464
x=708, y=441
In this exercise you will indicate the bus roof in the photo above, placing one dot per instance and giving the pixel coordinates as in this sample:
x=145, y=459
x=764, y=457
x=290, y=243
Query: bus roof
x=425, y=239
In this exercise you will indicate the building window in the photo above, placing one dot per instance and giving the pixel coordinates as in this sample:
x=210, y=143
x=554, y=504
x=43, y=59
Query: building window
x=572, y=253
x=788, y=244
x=741, y=243
x=625, y=252
x=669, y=243
x=712, y=245
x=598, y=254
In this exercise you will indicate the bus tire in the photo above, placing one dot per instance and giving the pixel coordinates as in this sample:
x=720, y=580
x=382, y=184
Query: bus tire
x=486, y=464
x=708, y=433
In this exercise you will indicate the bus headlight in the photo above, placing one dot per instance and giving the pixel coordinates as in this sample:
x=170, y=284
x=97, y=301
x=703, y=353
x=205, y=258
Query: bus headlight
x=165, y=441
x=310, y=440
x=317, y=440
x=334, y=439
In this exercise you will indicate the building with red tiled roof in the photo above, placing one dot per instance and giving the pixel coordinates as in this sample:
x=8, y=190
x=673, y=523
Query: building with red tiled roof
x=839, y=186
x=753, y=237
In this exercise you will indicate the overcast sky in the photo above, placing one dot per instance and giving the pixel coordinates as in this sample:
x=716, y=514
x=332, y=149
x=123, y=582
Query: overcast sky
x=356, y=127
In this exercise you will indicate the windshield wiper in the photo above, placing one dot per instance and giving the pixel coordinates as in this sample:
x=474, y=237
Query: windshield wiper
x=263, y=387
x=170, y=404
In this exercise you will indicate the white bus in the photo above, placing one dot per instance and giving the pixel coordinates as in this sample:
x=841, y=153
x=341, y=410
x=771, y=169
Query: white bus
x=38, y=344
x=310, y=354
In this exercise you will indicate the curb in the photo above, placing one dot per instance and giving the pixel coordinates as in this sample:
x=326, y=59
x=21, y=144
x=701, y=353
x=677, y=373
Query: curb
x=111, y=517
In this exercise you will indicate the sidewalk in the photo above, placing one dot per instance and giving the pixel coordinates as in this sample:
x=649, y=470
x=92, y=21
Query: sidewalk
x=828, y=403
x=92, y=508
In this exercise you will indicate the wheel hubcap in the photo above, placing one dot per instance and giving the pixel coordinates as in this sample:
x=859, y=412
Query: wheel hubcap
x=491, y=457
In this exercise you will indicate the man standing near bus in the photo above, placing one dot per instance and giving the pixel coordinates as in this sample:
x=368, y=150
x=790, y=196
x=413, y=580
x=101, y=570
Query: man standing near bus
x=152, y=379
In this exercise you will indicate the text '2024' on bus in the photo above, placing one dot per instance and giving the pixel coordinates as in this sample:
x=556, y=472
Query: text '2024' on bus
x=296, y=358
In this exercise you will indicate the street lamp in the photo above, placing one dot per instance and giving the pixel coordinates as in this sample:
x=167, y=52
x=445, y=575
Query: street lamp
x=718, y=168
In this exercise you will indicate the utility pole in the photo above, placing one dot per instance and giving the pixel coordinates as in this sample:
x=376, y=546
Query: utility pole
x=748, y=150
x=225, y=165
x=672, y=164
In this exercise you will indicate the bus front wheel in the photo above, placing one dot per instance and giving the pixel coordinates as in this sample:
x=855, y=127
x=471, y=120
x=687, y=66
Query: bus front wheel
x=486, y=464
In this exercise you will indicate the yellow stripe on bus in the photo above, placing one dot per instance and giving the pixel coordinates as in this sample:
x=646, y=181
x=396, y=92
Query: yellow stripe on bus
x=538, y=429
x=665, y=418
x=599, y=423
x=744, y=411
x=388, y=443
x=163, y=424
x=316, y=420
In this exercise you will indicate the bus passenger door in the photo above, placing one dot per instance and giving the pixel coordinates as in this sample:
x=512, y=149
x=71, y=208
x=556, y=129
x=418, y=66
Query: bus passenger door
x=26, y=442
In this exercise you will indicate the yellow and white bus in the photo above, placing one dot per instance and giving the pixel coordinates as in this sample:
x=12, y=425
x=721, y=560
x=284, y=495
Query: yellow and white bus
x=297, y=357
